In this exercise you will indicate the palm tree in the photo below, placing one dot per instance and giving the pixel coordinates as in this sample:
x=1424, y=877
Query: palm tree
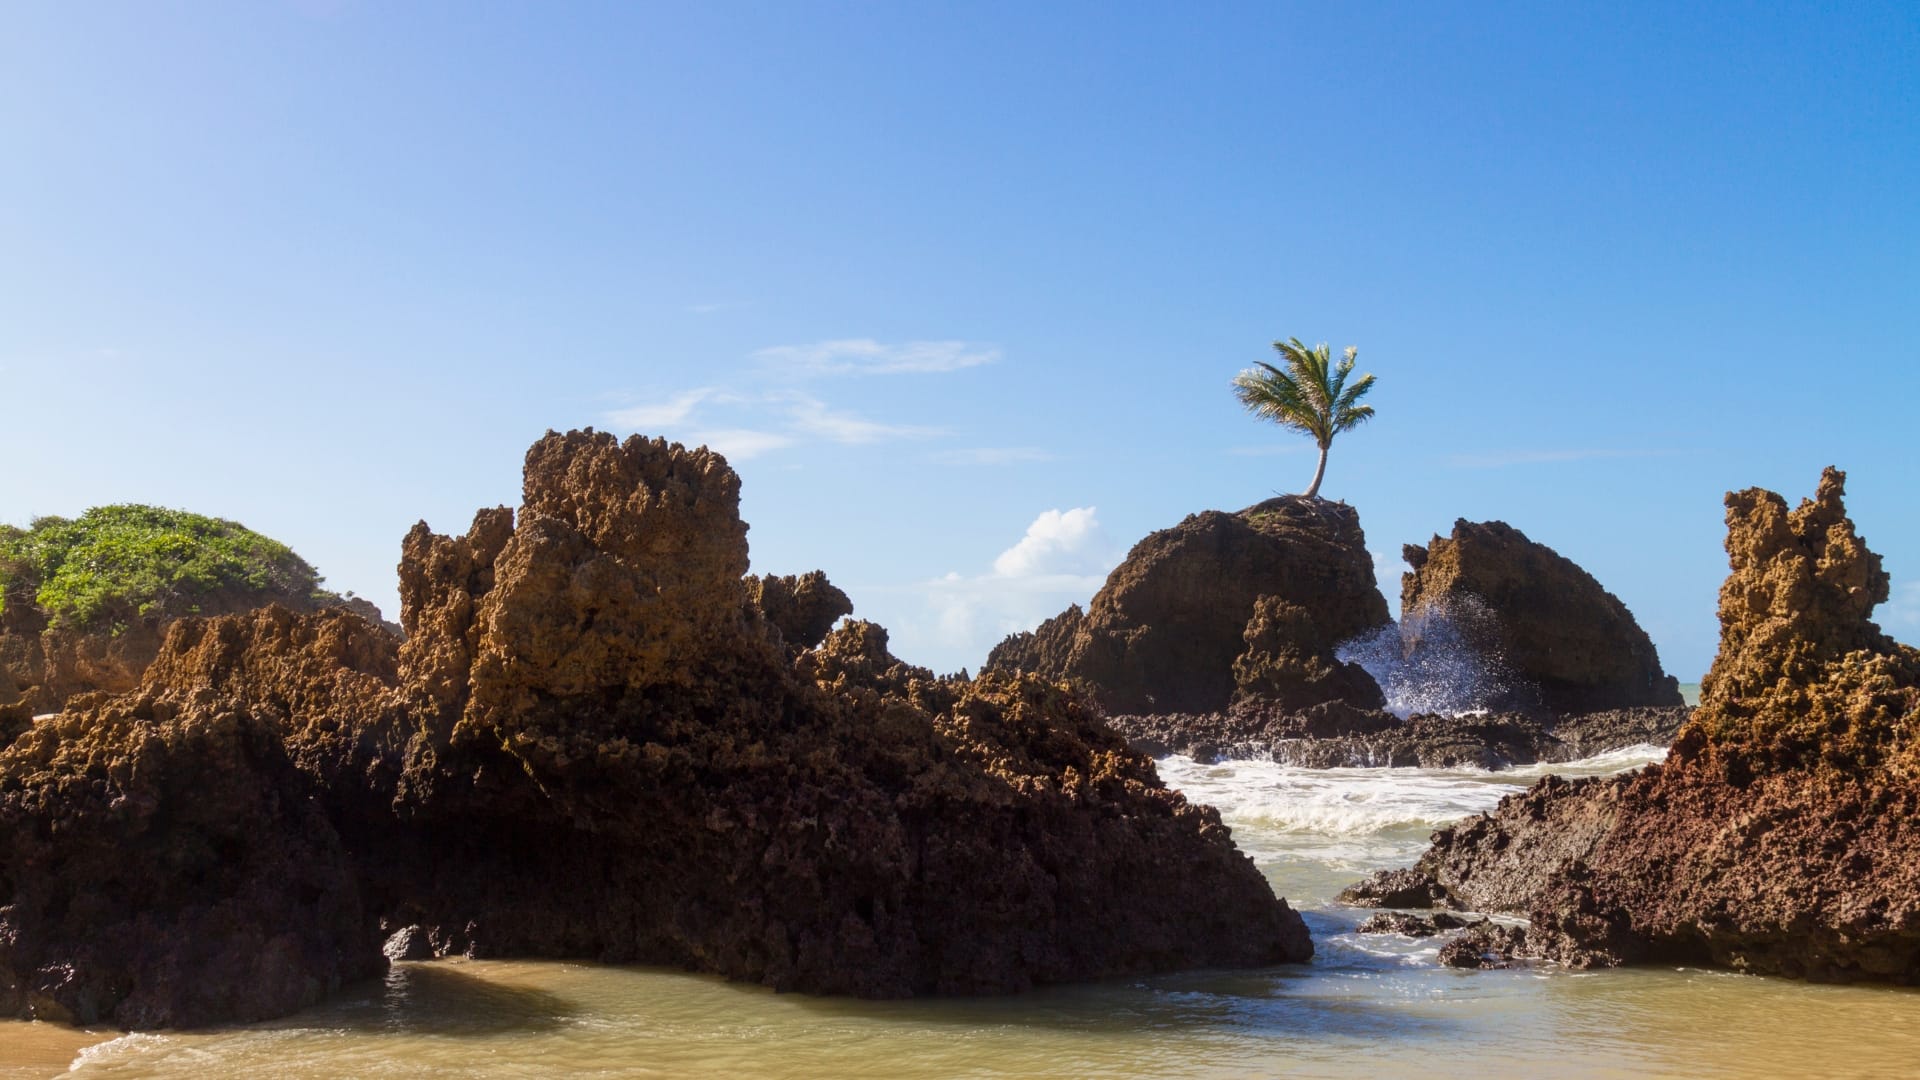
x=1311, y=395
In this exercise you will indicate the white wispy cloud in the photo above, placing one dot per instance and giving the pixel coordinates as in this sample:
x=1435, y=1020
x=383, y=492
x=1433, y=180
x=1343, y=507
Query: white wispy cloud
x=739, y=444
x=744, y=426
x=1502, y=458
x=661, y=415
x=865, y=356
x=992, y=455
x=811, y=416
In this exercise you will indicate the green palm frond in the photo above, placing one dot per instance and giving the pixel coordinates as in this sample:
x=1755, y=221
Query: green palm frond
x=1311, y=394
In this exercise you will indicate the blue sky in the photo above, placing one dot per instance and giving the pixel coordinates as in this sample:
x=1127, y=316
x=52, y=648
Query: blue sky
x=960, y=287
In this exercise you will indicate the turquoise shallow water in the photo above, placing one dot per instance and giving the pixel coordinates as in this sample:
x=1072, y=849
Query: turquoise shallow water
x=1368, y=1006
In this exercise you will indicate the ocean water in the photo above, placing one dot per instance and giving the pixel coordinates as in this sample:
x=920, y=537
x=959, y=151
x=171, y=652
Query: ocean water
x=1368, y=1006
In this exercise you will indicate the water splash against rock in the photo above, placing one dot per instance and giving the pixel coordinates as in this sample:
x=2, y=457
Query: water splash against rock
x=1439, y=660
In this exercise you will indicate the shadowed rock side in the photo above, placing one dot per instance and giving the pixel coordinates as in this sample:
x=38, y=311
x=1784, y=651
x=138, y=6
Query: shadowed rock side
x=1333, y=735
x=1221, y=606
x=1782, y=835
x=1546, y=618
x=592, y=744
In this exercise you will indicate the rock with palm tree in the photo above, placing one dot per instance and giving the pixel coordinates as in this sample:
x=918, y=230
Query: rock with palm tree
x=1310, y=394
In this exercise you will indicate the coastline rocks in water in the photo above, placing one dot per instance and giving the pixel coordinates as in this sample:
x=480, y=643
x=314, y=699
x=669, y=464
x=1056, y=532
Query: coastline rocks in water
x=1221, y=605
x=164, y=859
x=1333, y=735
x=1548, y=620
x=1400, y=922
x=1782, y=835
x=592, y=744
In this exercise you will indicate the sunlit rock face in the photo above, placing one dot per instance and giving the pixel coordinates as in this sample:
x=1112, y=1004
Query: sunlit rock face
x=599, y=740
x=1553, y=636
x=1219, y=608
x=1782, y=835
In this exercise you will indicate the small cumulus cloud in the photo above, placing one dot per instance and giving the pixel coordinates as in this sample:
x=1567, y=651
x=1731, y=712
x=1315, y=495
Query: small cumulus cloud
x=1058, y=541
x=865, y=356
x=1063, y=558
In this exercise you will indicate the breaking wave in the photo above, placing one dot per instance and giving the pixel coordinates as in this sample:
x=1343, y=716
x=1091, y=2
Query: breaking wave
x=1430, y=662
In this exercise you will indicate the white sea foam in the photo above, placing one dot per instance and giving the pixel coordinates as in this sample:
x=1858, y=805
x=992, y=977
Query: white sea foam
x=1349, y=802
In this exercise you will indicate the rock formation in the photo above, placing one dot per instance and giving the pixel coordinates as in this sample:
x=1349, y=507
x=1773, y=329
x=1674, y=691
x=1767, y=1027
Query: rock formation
x=1247, y=605
x=42, y=664
x=599, y=740
x=803, y=607
x=1782, y=835
x=1548, y=620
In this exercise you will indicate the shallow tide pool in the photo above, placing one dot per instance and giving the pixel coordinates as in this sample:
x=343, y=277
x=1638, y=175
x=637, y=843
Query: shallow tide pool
x=1368, y=1006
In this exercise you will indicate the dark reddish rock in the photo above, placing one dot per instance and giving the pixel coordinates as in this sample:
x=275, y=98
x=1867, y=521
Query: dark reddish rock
x=1485, y=945
x=589, y=746
x=1400, y=888
x=1782, y=836
x=1546, y=619
x=1398, y=922
x=1222, y=605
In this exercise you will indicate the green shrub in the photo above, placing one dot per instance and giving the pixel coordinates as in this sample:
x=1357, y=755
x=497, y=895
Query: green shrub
x=114, y=564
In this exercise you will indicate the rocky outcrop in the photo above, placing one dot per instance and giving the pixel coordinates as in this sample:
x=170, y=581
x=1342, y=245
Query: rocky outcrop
x=594, y=743
x=165, y=857
x=1568, y=640
x=42, y=664
x=1333, y=735
x=1043, y=650
x=1781, y=834
x=802, y=608
x=1222, y=605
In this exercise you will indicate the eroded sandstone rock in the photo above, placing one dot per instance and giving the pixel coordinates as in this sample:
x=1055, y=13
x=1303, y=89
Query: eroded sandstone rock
x=1782, y=835
x=589, y=746
x=1568, y=640
x=1253, y=602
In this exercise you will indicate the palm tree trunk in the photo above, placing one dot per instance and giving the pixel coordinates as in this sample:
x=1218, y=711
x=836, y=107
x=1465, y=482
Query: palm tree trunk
x=1314, y=488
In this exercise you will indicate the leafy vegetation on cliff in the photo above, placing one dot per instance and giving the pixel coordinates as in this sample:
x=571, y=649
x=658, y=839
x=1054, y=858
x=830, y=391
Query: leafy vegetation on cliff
x=113, y=564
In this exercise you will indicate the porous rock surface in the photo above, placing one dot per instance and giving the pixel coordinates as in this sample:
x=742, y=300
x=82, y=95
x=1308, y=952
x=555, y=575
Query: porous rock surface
x=1221, y=607
x=42, y=665
x=592, y=744
x=1782, y=834
x=1574, y=646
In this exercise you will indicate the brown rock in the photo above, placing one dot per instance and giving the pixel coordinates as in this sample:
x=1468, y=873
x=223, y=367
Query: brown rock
x=801, y=608
x=1164, y=633
x=1780, y=837
x=589, y=746
x=1547, y=619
